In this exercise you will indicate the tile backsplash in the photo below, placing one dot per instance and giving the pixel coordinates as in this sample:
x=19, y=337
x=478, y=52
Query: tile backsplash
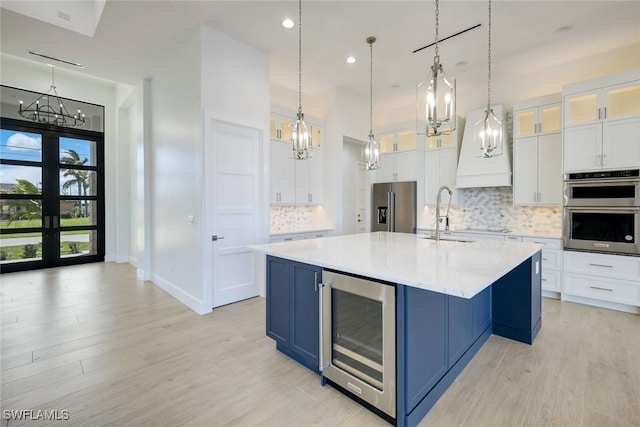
x=492, y=207
x=290, y=218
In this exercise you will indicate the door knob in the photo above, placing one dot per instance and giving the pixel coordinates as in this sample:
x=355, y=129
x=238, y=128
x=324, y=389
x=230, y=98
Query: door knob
x=216, y=238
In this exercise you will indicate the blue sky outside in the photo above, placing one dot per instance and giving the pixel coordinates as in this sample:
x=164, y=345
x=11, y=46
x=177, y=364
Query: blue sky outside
x=28, y=147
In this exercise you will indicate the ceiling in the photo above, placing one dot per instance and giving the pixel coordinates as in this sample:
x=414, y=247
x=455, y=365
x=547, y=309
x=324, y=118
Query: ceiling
x=124, y=41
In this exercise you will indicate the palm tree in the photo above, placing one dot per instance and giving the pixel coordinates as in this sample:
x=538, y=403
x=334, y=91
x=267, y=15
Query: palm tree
x=78, y=177
x=25, y=209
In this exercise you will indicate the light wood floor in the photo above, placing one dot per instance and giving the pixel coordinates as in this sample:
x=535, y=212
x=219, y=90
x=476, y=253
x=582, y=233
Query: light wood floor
x=113, y=350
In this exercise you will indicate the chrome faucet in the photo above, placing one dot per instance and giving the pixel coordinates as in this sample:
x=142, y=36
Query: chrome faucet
x=438, y=217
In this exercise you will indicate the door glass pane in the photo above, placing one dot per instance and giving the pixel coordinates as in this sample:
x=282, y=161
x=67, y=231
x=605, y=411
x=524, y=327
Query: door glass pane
x=624, y=101
x=20, y=179
x=272, y=126
x=406, y=140
x=75, y=213
x=77, y=152
x=315, y=136
x=357, y=336
x=78, y=182
x=551, y=119
x=20, y=247
x=526, y=123
x=386, y=141
x=603, y=227
x=583, y=108
x=78, y=243
x=23, y=213
x=20, y=146
x=286, y=128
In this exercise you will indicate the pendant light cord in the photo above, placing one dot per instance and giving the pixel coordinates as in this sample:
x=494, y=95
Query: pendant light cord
x=371, y=40
x=299, y=56
x=489, y=64
x=437, y=27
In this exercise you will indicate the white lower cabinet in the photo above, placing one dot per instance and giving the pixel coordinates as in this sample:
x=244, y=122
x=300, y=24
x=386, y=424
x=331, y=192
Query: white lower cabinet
x=551, y=262
x=602, y=277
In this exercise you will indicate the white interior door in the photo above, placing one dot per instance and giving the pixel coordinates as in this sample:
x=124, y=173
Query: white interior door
x=361, y=198
x=235, y=208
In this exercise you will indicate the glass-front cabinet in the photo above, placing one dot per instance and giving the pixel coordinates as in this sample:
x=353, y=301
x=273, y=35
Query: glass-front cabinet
x=615, y=102
x=538, y=120
x=602, y=123
x=397, y=140
x=281, y=125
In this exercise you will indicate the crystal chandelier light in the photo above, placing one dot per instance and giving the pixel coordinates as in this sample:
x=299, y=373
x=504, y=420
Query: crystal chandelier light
x=300, y=136
x=436, y=96
x=49, y=109
x=371, y=149
x=488, y=130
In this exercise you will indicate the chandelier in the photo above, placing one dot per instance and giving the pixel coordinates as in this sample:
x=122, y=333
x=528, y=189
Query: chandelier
x=300, y=136
x=436, y=96
x=488, y=130
x=49, y=109
x=371, y=149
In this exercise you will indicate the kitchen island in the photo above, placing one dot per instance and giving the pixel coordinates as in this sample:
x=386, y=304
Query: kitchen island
x=448, y=298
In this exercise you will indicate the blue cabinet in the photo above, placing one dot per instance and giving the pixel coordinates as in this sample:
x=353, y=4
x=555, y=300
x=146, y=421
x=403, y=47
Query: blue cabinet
x=517, y=302
x=292, y=309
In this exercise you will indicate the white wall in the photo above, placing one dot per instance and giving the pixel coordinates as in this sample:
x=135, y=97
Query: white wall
x=351, y=152
x=176, y=172
x=235, y=89
x=522, y=77
x=36, y=76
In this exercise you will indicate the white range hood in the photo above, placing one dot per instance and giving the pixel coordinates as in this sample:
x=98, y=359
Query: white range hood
x=475, y=170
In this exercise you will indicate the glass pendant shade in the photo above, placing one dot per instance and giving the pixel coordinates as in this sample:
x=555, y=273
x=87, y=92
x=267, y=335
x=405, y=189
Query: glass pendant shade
x=371, y=153
x=488, y=134
x=436, y=102
x=301, y=139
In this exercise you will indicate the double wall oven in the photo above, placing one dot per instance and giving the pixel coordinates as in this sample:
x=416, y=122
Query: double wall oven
x=358, y=339
x=602, y=211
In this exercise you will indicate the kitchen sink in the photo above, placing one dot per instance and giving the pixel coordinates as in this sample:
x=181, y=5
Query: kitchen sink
x=449, y=239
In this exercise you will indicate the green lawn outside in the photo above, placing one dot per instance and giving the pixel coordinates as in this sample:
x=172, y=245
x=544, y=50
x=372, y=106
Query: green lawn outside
x=17, y=252
x=22, y=223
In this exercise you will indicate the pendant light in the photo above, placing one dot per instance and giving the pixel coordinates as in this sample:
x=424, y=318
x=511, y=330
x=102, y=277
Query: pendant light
x=49, y=109
x=371, y=149
x=436, y=96
x=300, y=136
x=488, y=130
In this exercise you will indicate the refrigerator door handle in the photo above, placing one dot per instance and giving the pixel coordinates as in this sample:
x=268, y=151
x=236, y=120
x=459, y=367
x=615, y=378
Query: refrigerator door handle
x=392, y=212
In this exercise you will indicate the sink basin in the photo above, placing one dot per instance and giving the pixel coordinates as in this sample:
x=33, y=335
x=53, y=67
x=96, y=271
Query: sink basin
x=449, y=239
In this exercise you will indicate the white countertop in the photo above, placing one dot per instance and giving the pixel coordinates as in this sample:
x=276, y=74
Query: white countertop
x=453, y=268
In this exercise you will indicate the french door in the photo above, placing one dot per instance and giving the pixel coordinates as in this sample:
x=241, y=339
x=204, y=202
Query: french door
x=51, y=196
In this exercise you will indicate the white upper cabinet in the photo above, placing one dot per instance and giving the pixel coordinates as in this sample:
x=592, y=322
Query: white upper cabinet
x=282, y=173
x=281, y=125
x=602, y=121
x=294, y=181
x=398, y=158
x=441, y=163
x=537, y=151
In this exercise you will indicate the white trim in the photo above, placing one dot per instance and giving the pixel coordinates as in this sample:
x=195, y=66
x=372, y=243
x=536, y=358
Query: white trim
x=109, y=258
x=599, y=303
x=122, y=258
x=193, y=303
x=551, y=294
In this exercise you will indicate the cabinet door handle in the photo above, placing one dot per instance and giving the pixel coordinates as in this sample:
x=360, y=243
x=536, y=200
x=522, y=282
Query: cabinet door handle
x=599, y=113
x=601, y=289
x=601, y=265
x=604, y=110
x=539, y=197
x=315, y=280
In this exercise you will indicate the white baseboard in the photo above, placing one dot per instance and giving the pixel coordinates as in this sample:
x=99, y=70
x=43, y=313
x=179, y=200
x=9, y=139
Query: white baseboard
x=603, y=304
x=193, y=303
x=550, y=294
x=109, y=258
x=122, y=258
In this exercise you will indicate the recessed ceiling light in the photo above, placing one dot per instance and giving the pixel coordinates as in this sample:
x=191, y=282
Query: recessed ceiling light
x=288, y=23
x=461, y=63
x=351, y=60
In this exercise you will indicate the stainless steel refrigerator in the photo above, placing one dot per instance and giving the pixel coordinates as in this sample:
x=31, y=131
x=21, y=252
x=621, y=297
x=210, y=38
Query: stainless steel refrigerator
x=393, y=207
